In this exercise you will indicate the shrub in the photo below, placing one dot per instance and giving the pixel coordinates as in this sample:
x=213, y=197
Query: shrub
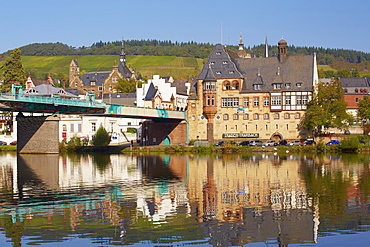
x=101, y=138
x=73, y=143
x=131, y=130
x=350, y=144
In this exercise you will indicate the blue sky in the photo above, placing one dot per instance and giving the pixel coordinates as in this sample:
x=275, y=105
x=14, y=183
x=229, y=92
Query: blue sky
x=319, y=23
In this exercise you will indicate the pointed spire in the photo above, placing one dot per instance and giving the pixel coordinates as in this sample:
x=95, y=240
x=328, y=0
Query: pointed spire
x=266, y=48
x=123, y=54
x=241, y=44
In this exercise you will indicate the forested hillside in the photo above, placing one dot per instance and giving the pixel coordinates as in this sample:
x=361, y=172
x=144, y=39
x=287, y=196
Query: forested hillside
x=332, y=62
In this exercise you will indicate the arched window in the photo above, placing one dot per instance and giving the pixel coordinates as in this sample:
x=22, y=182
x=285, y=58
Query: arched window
x=235, y=85
x=227, y=85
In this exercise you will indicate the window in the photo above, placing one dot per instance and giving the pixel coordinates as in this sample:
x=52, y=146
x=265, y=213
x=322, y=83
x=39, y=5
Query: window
x=257, y=86
x=231, y=72
x=218, y=53
x=299, y=100
x=64, y=127
x=93, y=127
x=226, y=116
x=218, y=72
x=256, y=101
x=79, y=128
x=356, y=100
x=236, y=116
x=208, y=100
x=276, y=85
x=92, y=83
x=288, y=100
x=297, y=115
x=207, y=86
x=276, y=116
x=266, y=101
x=299, y=84
x=114, y=79
x=275, y=100
x=304, y=99
x=212, y=63
x=235, y=85
x=266, y=116
x=100, y=88
x=227, y=85
x=76, y=84
x=256, y=116
x=224, y=62
x=230, y=102
x=286, y=115
x=72, y=127
x=213, y=100
x=287, y=85
x=246, y=102
x=245, y=116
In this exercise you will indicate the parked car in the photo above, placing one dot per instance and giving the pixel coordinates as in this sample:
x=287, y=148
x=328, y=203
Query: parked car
x=13, y=143
x=256, y=143
x=244, y=143
x=333, y=142
x=221, y=143
x=270, y=143
x=294, y=143
x=281, y=142
x=310, y=142
x=3, y=143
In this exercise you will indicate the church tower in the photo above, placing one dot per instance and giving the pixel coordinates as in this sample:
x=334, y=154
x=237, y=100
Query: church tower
x=282, y=50
x=74, y=71
x=241, y=52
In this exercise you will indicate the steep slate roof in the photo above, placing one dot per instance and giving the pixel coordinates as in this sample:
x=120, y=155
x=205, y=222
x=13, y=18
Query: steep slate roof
x=225, y=64
x=48, y=90
x=97, y=77
x=180, y=87
x=151, y=93
x=125, y=72
x=120, y=98
x=354, y=82
x=220, y=65
x=293, y=70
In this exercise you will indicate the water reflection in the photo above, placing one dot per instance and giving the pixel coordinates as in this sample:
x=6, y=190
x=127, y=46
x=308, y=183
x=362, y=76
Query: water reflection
x=152, y=200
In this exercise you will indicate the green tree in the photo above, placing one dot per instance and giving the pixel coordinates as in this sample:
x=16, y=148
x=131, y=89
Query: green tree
x=363, y=110
x=127, y=86
x=327, y=109
x=101, y=138
x=12, y=71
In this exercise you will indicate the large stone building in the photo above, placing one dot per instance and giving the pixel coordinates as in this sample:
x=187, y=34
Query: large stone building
x=102, y=82
x=251, y=97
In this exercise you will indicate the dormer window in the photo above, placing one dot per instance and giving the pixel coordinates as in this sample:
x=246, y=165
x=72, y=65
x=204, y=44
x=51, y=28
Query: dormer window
x=92, y=83
x=231, y=72
x=218, y=53
x=276, y=85
x=212, y=63
x=257, y=86
x=224, y=62
x=299, y=84
x=287, y=85
x=218, y=72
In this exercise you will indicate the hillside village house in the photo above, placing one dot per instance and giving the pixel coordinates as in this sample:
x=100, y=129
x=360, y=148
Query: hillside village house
x=99, y=82
x=251, y=97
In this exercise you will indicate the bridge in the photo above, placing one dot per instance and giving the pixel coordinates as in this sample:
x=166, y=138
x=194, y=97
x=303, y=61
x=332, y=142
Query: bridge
x=41, y=104
x=40, y=134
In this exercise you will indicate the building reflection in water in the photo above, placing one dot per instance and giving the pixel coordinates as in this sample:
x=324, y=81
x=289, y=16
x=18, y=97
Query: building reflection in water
x=235, y=200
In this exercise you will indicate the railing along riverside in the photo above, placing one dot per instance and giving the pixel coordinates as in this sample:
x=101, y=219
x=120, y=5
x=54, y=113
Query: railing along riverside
x=52, y=100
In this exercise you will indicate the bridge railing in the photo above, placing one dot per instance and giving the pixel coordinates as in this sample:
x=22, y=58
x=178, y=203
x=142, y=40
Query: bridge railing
x=52, y=100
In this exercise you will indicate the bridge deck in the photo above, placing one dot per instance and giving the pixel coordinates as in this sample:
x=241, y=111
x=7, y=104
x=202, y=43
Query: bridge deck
x=40, y=104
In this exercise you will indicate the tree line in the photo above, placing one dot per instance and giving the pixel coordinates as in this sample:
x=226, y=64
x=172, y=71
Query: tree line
x=325, y=56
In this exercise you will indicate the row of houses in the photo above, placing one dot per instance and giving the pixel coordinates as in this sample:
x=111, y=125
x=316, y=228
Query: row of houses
x=235, y=96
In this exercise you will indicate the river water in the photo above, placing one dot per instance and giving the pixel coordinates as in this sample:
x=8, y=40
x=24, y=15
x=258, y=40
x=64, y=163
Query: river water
x=185, y=200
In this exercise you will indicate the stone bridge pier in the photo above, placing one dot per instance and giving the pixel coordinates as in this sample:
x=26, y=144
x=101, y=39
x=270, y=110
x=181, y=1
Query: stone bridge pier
x=38, y=134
